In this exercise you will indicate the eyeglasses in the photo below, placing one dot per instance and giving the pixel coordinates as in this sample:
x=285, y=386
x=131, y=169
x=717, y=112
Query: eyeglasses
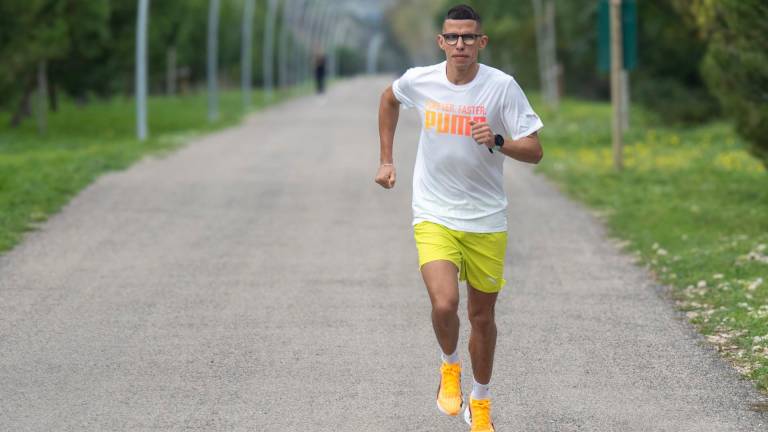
x=453, y=38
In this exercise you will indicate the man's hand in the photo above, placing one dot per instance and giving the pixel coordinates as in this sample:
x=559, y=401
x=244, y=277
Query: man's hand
x=482, y=134
x=386, y=176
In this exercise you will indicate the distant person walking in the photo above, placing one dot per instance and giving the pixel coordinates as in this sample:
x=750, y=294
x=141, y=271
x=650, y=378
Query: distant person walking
x=320, y=73
x=472, y=116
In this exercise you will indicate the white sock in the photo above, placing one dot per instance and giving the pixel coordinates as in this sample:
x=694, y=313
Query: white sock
x=453, y=358
x=480, y=391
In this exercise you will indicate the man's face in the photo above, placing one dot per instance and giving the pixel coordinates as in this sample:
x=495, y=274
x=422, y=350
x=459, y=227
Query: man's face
x=461, y=55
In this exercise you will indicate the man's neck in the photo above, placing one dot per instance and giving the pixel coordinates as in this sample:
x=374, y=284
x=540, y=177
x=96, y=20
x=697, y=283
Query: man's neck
x=459, y=76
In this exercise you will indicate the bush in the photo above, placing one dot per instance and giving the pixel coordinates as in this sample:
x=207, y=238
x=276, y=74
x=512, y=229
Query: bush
x=675, y=102
x=736, y=67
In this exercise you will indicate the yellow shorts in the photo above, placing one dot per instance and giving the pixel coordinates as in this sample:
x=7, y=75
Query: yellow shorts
x=478, y=256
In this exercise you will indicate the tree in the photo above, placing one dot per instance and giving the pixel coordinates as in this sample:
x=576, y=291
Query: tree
x=735, y=66
x=31, y=31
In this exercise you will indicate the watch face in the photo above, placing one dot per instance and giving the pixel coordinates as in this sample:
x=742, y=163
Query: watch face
x=499, y=140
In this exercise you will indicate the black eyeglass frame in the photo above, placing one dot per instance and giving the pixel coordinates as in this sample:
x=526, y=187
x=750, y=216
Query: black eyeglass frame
x=474, y=38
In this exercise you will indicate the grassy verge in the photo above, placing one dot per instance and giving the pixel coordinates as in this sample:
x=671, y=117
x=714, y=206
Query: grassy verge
x=39, y=174
x=692, y=204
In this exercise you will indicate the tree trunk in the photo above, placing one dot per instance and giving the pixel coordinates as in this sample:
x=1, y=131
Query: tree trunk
x=53, y=97
x=41, y=98
x=171, y=75
x=625, y=99
x=551, y=49
x=538, y=12
x=23, y=109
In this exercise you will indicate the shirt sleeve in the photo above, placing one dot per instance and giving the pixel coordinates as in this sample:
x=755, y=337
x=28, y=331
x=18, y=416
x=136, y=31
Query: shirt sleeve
x=403, y=89
x=518, y=117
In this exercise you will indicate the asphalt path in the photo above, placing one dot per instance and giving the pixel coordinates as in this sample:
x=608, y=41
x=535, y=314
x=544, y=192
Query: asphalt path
x=258, y=280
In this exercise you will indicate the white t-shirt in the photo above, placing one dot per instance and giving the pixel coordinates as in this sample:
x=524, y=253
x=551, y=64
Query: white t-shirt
x=456, y=182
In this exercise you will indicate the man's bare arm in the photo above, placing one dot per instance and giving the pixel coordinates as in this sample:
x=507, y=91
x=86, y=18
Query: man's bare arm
x=526, y=149
x=389, y=111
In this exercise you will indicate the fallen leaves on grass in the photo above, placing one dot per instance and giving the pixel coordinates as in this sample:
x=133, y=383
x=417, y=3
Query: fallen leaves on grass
x=757, y=254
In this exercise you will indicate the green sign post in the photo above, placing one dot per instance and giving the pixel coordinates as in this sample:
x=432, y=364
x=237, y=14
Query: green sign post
x=628, y=34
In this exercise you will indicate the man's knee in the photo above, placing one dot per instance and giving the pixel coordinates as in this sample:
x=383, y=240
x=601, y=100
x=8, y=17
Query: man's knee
x=444, y=307
x=482, y=319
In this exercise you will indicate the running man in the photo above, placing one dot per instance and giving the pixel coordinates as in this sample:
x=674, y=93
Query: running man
x=472, y=117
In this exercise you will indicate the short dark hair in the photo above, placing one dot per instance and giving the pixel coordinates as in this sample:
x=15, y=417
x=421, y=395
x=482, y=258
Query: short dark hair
x=463, y=12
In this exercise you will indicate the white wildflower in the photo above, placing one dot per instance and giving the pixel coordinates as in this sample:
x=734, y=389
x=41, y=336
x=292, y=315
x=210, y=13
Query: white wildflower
x=756, y=283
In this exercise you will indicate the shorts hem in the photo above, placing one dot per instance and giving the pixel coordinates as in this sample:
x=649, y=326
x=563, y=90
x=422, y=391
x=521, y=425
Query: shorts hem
x=429, y=260
x=486, y=290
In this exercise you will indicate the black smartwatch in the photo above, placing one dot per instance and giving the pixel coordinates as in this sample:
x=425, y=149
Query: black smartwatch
x=499, y=141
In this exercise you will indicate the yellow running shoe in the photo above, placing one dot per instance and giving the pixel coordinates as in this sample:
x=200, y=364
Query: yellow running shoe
x=478, y=415
x=449, y=399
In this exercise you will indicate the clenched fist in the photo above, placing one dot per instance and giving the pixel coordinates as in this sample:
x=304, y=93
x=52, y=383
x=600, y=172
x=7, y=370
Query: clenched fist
x=482, y=134
x=386, y=176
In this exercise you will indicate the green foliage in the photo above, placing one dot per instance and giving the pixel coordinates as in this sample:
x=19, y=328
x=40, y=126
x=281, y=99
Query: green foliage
x=674, y=101
x=668, y=79
x=30, y=31
x=89, y=46
x=82, y=67
x=736, y=67
x=351, y=62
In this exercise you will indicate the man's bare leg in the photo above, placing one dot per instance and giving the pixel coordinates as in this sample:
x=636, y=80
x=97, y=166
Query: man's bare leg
x=482, y=337
x=441, y=279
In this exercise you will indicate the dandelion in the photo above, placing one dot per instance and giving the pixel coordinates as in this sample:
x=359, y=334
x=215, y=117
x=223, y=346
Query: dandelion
x=702, y=284
x=717, y=276
x=661, y=251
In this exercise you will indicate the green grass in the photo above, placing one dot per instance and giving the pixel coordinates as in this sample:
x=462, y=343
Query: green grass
x=40, y=173
x=692, y=204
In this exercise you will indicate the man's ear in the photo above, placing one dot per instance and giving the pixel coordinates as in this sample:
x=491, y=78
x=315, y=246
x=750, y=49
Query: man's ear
x=483, y=41
x=440, y=41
